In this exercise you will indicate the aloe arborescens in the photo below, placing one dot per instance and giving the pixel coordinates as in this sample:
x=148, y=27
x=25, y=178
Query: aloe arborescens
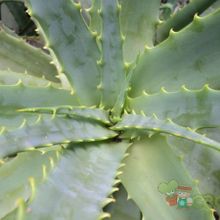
x=121, y=98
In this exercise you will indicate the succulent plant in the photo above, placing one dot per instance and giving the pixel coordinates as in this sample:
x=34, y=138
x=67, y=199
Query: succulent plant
x=117, y=104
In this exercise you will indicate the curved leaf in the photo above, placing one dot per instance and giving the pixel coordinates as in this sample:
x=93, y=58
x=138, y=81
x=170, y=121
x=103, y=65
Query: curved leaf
x=72, y=46
x=152, y=162
x=22, y=57
x=113, y=66
x=122, y=208
x=185, y=58
x=188, y=108
x=142, y=123
x=84, y=112
x=13, y=120
x=203, y=165
x=8, y=77
x=19, y=175
x=47, y=130
x=138, y=22
x=182, y=18
x=96, y=22
x=212, y=8
x=27, y=96
x=80, y=183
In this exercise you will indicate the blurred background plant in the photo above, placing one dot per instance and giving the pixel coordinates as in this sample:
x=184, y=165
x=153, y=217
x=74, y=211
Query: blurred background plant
x=13, y=15
x=170, y=7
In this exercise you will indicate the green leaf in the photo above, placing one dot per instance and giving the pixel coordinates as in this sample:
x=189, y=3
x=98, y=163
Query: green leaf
x=188, y=108
x=11, y=216
x=122, y=96
x=80, y=183
x=203, y=165
x=122, y=208
x=8, y=77
x=96, y=21
x=152, y=162
x=182, y=18
x=96, y=114
x=212, y=8
x=112, y=60
x=142, y=123
x=19, y=176
x=47, y=130
x=72, y=46
x=27, y=96
x=22, y=57
x=86, y=4
x=138, y=22
x=85, y=8
x=133, y=133
x=13, y=120
x=185, y=58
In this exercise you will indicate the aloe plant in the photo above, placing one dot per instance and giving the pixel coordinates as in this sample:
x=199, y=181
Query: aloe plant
x=123, y=102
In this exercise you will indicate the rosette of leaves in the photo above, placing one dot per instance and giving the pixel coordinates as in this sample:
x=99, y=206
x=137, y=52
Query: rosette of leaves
x=120, y=98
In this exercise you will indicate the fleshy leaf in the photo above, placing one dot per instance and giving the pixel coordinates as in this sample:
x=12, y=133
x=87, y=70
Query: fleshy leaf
x=96, y=22
x=112, y=60
x=188, y=108
x=203, y=165
x=84, y=112
x=72, y=46
x=47, y=130
x=8, y=77
x=22, y=57
x=142, y=123
x=85, y=7
x=19, y=176
x=182, y=18
x=27, y=96
x=150, y=164
x=80, y=184
x=212, y=8
x=173, y=63
x=123, y=208
x=138, y=22
x=13, y=120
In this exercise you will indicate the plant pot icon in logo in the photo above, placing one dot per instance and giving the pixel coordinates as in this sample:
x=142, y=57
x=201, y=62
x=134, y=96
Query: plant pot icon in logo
x=169, y=189
x=171, y=201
